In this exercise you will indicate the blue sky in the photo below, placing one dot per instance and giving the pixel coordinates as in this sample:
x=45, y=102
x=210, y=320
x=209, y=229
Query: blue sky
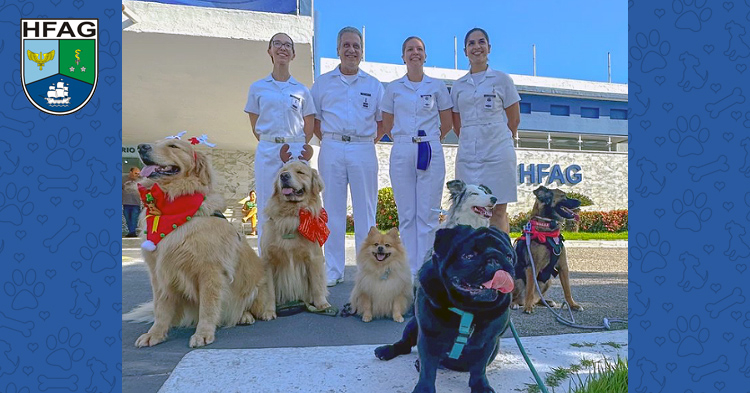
x=572, y=37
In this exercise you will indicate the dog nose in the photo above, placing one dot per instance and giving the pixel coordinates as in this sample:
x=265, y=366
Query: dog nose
x=285, y=176
x=493, y=200
x=144, y=148
x=380, y=249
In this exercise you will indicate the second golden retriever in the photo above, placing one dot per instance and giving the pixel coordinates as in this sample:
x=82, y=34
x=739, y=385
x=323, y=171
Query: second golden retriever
x=296, y=257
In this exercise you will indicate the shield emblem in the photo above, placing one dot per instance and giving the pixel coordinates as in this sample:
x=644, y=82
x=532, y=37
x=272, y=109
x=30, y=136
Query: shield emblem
x=59, y=63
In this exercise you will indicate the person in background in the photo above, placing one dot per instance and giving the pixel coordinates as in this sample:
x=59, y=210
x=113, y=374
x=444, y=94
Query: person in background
x=486, y=115
x=348, y=123
x=131, y=200
x=281, y=111
x=250, y=211
x=416, y=116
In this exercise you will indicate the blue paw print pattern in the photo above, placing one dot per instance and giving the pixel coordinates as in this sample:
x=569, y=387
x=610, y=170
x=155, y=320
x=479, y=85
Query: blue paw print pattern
x=60, y=295
x=690, y=251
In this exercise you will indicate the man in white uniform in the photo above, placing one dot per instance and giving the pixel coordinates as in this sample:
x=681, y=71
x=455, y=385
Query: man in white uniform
x=348, y=123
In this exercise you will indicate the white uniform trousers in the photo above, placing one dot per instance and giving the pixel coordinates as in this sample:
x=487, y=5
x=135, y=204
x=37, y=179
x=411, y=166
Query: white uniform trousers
x=267, y=166
x=416, y=193
x=341, y=164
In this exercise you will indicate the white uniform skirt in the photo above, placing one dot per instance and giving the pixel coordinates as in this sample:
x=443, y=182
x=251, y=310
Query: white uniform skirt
x=486, y=155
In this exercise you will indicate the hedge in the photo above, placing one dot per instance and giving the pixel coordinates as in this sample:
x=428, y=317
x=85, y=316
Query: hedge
x=611, y=221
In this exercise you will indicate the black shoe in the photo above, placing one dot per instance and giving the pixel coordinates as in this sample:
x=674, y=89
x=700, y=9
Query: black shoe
x=131, y=235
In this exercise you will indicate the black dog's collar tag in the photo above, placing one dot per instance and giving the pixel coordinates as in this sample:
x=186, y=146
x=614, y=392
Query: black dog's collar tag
x=465, y=329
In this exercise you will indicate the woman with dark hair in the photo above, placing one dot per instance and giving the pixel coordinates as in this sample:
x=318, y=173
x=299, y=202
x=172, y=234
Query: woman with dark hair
x=486, y=114
x=281, y=112
x=416, y=116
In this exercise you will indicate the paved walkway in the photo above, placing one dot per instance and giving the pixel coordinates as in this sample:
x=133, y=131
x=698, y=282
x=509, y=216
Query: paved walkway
x=354, y=368
x=313, y=353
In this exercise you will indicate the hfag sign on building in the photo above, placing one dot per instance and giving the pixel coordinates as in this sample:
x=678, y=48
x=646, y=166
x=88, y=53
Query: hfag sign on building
x=59, y=63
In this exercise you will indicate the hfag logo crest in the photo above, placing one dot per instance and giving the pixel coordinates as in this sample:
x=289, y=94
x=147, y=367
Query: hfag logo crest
x=59, y=63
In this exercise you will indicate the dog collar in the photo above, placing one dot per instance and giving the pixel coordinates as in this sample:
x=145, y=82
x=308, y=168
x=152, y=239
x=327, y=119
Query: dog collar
x=386, y=274
x=465, y=329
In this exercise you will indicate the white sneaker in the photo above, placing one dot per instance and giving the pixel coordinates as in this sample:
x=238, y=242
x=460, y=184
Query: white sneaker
x=332, y=282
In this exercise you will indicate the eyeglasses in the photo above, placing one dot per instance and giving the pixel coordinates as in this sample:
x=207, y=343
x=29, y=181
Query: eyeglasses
x=279, y=44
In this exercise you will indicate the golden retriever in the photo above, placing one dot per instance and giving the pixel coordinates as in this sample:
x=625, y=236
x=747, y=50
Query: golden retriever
x=297, y=263
x=383, y=285
x=203, y=272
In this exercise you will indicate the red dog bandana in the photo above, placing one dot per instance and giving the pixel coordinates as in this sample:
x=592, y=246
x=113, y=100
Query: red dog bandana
x=314, y=228
x=163, y=216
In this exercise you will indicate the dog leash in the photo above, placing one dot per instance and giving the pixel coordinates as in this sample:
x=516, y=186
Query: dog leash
x=526, y=358
x=572, y=322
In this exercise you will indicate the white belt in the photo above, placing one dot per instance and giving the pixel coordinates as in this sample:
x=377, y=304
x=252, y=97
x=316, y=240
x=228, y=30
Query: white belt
x=348, y=138
x=482, y=123
x=282, y=139
x=415, y=139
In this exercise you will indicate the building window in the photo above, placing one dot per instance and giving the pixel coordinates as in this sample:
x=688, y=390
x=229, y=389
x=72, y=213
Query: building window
x=618, y=114
x=590, y=113
x=525, y=107
x=559, y=110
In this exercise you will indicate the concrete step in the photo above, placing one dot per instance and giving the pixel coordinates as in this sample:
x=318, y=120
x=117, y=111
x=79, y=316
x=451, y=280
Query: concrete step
x=343, y=369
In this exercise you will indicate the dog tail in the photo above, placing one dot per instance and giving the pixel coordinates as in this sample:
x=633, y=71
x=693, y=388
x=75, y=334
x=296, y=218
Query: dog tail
x=142, y=313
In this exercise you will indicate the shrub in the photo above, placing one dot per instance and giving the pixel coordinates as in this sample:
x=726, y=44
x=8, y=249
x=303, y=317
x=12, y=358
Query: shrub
x=611, y=221
x=585, y=201
x=349, y=223
x=386, y=215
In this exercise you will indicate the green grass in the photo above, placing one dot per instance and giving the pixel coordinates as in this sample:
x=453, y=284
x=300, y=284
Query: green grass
x=576, y=235
x=607, y=378
x=586, y=235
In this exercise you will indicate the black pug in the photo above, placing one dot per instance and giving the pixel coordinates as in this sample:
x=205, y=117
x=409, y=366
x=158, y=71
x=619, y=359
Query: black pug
x=470, y=273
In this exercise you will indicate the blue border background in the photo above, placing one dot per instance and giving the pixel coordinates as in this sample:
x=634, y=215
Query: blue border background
x=689, y=164
x=60, y=250
x=690, y=147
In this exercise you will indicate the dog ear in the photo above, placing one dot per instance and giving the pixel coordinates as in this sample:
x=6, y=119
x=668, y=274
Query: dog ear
x=485, y=189
x=544, y=194
x=455, y=187
x=317, y=182
x=446, y=238
x=373, y=231
x=394, y=232
x=202, y=168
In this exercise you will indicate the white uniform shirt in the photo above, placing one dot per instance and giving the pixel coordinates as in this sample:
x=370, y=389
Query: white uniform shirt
x=348, y=109
x=280, y=106
x=484, y=102
x=418, y=109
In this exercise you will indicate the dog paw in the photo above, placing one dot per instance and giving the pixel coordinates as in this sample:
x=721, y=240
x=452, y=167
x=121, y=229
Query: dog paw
x=385, y=352
x=368, y=318
x=576, y=306
x=551, y=303
x=514, y=306
x=528, y=310
x=268, y=315
x=201, y=339
x=247, y=318
x=398, y=318
x=149, y=340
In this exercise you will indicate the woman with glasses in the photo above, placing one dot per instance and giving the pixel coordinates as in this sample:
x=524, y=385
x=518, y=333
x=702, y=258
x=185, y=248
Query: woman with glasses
x=281, y=112
x=416, y=116
x=486, y=114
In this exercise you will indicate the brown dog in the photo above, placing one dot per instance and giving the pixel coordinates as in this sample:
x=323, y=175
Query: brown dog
x=551, y=208
x=383, y=285
x=297, y=262
x=202, y=271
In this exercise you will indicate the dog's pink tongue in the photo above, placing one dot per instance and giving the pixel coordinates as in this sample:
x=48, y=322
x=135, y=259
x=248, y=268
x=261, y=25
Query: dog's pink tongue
x=148, y=170
x=501, y=281
x=287, y=191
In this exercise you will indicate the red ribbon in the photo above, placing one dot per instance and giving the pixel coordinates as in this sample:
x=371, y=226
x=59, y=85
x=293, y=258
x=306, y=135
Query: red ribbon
x=314, y=228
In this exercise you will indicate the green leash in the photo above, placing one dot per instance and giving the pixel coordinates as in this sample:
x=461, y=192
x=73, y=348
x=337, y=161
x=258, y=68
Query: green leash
x=526, y=357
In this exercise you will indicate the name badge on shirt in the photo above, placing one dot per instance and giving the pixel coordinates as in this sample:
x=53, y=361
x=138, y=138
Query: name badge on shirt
x=489, y=101
x=365, y=100
x=426, y=101
x=295, y=102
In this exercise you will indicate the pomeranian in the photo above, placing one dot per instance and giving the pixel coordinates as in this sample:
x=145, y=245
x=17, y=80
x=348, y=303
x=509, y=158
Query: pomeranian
x=383, y=285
